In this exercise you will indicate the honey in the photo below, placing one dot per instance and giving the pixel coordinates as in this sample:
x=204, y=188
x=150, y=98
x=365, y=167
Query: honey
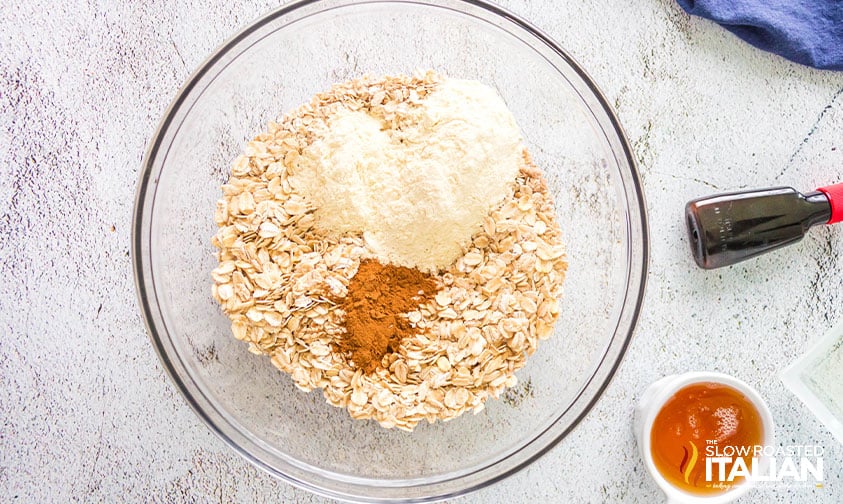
x=698, y=422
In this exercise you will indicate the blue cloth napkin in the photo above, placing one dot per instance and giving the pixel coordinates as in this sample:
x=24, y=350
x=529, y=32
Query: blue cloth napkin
x=806, y=31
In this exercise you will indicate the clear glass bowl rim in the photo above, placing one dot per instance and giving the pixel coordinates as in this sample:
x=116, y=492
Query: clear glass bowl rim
x=373, y=490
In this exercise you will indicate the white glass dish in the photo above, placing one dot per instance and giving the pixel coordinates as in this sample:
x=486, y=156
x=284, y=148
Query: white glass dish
x=816, y=379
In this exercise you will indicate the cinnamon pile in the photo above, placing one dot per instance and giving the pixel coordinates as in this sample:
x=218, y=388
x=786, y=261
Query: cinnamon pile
x=378, y=297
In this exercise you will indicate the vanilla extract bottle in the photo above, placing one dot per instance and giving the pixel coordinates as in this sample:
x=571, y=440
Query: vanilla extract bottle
x=728, y=228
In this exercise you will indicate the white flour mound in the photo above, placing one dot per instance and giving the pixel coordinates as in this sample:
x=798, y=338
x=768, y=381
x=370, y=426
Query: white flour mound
x=417, y=194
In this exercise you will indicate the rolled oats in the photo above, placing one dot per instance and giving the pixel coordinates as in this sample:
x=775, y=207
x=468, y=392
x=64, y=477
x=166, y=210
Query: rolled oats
x=279, y=277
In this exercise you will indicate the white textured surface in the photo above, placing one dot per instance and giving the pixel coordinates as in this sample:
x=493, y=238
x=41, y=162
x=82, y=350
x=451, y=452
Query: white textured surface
x=87, y=413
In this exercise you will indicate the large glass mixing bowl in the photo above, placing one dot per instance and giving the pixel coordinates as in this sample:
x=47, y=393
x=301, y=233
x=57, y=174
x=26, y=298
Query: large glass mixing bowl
x=276, y=64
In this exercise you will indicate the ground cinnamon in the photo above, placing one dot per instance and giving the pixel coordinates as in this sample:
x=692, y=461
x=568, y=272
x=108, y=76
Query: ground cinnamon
x=378, y=297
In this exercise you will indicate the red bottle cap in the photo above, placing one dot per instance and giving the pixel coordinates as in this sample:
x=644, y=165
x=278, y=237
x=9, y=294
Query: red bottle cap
x=834, y=193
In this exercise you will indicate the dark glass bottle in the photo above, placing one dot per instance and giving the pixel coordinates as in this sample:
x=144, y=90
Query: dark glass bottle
x=729, y=228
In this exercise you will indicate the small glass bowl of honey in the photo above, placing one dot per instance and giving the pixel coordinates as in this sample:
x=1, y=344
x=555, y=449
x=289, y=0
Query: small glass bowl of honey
x=702, y=436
